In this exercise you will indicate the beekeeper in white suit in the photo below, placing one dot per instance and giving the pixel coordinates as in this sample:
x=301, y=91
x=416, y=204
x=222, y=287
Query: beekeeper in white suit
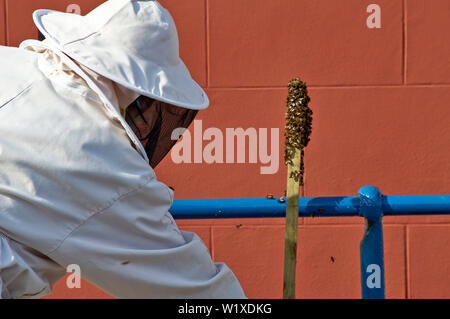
x=76, y=183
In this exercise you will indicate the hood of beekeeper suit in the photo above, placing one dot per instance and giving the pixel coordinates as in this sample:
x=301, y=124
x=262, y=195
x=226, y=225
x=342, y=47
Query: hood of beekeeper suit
x=134, y=44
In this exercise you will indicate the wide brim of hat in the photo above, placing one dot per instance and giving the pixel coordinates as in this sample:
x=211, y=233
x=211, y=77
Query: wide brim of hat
x=69, y=25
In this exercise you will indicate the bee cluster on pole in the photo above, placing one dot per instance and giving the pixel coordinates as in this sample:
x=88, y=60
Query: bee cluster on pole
x=298, y=125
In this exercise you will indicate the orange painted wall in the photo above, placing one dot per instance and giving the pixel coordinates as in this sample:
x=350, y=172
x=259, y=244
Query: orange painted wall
x=381, y=103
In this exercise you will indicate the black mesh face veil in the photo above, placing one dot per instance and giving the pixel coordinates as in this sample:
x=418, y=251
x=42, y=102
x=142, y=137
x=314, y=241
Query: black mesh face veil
x=156, y=125
x=40, y=36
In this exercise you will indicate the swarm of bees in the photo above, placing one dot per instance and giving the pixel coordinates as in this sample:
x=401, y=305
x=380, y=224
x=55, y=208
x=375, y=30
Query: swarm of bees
x=298, y=125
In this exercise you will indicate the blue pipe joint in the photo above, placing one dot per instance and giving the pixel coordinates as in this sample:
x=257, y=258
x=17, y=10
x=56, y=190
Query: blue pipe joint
x=371, y=247
x=371, y=203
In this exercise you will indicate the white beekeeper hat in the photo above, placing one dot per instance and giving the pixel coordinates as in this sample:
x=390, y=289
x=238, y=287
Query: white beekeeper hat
x=131, y=42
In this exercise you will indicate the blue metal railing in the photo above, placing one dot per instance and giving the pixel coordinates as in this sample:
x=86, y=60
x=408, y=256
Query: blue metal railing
x=370, y=204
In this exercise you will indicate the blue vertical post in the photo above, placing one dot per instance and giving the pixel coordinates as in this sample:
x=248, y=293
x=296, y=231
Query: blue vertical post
x=371, y=249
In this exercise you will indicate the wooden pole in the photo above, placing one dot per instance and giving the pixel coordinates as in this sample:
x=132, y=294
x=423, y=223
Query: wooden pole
x=298, y=130
x=291, y=228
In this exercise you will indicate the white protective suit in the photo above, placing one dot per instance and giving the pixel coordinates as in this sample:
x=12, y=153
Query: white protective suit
x=76, y=186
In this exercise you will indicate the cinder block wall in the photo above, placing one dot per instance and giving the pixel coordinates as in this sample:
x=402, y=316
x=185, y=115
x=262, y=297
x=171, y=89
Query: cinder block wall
x=380, y=98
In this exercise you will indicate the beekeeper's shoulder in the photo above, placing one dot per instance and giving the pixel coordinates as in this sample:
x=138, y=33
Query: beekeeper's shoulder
x=19, y=71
